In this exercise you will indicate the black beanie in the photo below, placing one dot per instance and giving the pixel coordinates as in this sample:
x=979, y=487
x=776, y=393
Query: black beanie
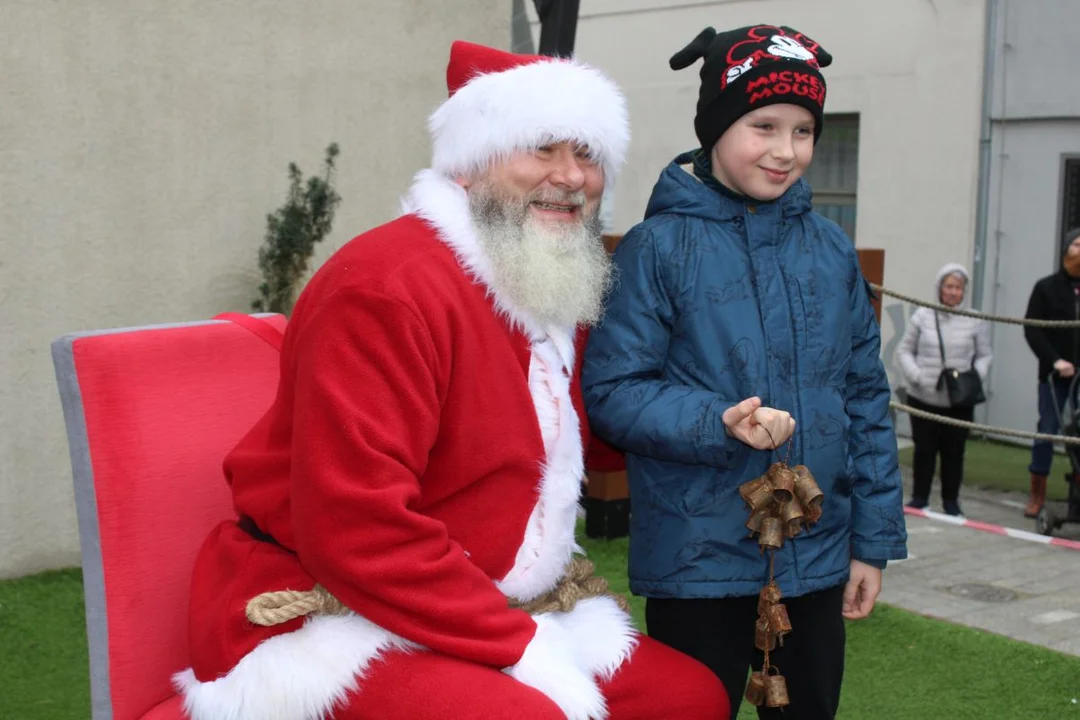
x=752, y=67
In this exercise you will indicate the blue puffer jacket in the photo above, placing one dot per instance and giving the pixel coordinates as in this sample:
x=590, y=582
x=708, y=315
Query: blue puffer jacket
x=717, y=300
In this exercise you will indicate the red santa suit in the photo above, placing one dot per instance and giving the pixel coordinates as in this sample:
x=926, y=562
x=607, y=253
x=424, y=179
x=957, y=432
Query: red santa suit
x=422, y=461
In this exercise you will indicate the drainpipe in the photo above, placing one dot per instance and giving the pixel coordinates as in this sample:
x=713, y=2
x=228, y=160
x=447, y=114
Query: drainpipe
x=982, y=202
x=521, y=40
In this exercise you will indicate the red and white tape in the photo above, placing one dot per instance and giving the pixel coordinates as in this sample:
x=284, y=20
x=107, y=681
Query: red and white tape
x=995, y=529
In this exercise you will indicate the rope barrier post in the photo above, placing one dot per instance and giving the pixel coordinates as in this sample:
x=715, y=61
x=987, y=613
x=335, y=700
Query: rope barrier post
x=872, y=263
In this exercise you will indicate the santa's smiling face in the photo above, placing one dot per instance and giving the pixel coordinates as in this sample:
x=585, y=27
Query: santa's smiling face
x=536, y=214
x=560, y=182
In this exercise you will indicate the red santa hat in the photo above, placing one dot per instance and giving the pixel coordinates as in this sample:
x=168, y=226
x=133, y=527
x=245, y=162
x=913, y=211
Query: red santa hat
x=502, y=102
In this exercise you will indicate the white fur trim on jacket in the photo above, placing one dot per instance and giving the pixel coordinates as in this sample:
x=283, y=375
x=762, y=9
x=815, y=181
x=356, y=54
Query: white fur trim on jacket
x=445, y=206
x=600, y=638
x=525, y=107
x=549, y=543
x=604, y=636
x=549, y=537
x=549, y=666
x=300, y=675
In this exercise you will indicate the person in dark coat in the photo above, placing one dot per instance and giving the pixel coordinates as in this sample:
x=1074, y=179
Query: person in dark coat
x=1055, y=297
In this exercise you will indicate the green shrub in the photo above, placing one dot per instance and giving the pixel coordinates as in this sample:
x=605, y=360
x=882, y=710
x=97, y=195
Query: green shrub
x=292, y=233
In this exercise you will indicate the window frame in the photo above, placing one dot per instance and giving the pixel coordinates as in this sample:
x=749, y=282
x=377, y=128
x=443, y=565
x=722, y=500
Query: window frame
x=1066, y=159
x=841, y=196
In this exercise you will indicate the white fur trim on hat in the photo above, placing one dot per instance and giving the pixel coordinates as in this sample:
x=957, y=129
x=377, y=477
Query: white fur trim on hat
x=525, y=107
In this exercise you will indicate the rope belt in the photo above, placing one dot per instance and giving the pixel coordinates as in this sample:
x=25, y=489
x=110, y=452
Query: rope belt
x=578, y=583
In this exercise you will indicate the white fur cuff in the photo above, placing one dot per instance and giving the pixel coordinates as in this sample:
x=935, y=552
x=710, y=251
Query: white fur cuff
x=549, y=666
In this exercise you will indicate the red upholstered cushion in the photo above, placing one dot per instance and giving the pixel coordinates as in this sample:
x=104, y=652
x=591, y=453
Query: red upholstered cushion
x=171, y=709
x=162, y=407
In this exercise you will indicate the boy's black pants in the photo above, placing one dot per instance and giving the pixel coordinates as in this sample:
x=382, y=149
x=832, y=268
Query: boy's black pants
x=720, y=633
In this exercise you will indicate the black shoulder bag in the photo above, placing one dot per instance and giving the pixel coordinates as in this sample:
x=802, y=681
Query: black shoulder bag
x=964, y=387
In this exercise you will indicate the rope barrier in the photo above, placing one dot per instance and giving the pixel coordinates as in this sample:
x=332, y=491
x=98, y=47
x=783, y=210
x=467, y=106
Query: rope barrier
x=915, y=412
x=1031, y=322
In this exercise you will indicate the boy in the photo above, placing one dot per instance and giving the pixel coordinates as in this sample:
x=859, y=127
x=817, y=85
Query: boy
x=733, y=287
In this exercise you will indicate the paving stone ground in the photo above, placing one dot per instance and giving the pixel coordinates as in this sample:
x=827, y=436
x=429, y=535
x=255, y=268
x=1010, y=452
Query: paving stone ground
x=1017, y=588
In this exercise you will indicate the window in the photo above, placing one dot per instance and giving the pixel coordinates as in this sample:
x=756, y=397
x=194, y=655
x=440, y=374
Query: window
x=1070, y=196
x=834, y=173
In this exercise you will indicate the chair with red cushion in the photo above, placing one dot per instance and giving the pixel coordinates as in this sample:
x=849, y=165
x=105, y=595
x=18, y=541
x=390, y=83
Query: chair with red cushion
x=150, y=414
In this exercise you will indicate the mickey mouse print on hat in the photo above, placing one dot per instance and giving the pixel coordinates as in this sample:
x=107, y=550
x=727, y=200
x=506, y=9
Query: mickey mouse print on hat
x=752, y=67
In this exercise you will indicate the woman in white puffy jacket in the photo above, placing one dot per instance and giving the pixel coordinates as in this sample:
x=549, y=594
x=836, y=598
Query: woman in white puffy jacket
x=966, y=344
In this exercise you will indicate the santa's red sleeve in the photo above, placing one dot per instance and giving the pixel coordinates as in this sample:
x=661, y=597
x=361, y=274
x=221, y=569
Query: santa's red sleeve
x=603, y=457
x=367, y=406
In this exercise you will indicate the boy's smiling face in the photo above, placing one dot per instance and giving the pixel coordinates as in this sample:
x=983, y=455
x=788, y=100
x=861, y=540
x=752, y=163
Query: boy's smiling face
x=765, y=151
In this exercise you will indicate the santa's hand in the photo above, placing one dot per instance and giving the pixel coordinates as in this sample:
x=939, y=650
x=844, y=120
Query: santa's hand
x=762, y=428
x=548, y=665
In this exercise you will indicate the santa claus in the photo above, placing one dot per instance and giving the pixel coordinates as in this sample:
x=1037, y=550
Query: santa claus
x=421, y=463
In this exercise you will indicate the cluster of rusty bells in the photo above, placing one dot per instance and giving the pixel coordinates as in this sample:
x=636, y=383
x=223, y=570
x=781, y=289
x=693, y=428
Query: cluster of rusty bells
x=782, y=502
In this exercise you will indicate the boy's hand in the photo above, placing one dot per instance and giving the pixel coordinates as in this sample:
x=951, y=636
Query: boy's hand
x=762, y=428
x=861, y=590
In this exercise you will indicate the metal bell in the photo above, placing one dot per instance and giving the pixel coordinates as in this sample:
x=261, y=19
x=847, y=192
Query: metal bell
x=756, y=518
x=776, y=691
x=776, y=466
x=791, y=510
x=761, y=496
x=812, y=513
x=806, y=488
x=747, y=489
x=783, y=482
x=756, y=688
x=763, y=639
x=779, y=623
x=793, y=528
x=769, y=596
x=772, y=533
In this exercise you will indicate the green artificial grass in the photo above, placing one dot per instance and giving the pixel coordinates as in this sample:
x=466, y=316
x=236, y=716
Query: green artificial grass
x=1001, y=466
x=899, y=665
x=44, y=671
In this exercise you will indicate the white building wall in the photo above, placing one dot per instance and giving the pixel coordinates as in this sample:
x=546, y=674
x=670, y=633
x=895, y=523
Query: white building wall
x=141, y=147
x=1036, y=122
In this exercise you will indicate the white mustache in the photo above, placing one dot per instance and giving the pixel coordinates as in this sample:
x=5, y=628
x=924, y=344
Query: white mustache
x=576, y=199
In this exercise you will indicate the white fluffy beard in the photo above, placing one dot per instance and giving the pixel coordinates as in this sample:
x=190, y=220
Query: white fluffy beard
x=557, y=272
